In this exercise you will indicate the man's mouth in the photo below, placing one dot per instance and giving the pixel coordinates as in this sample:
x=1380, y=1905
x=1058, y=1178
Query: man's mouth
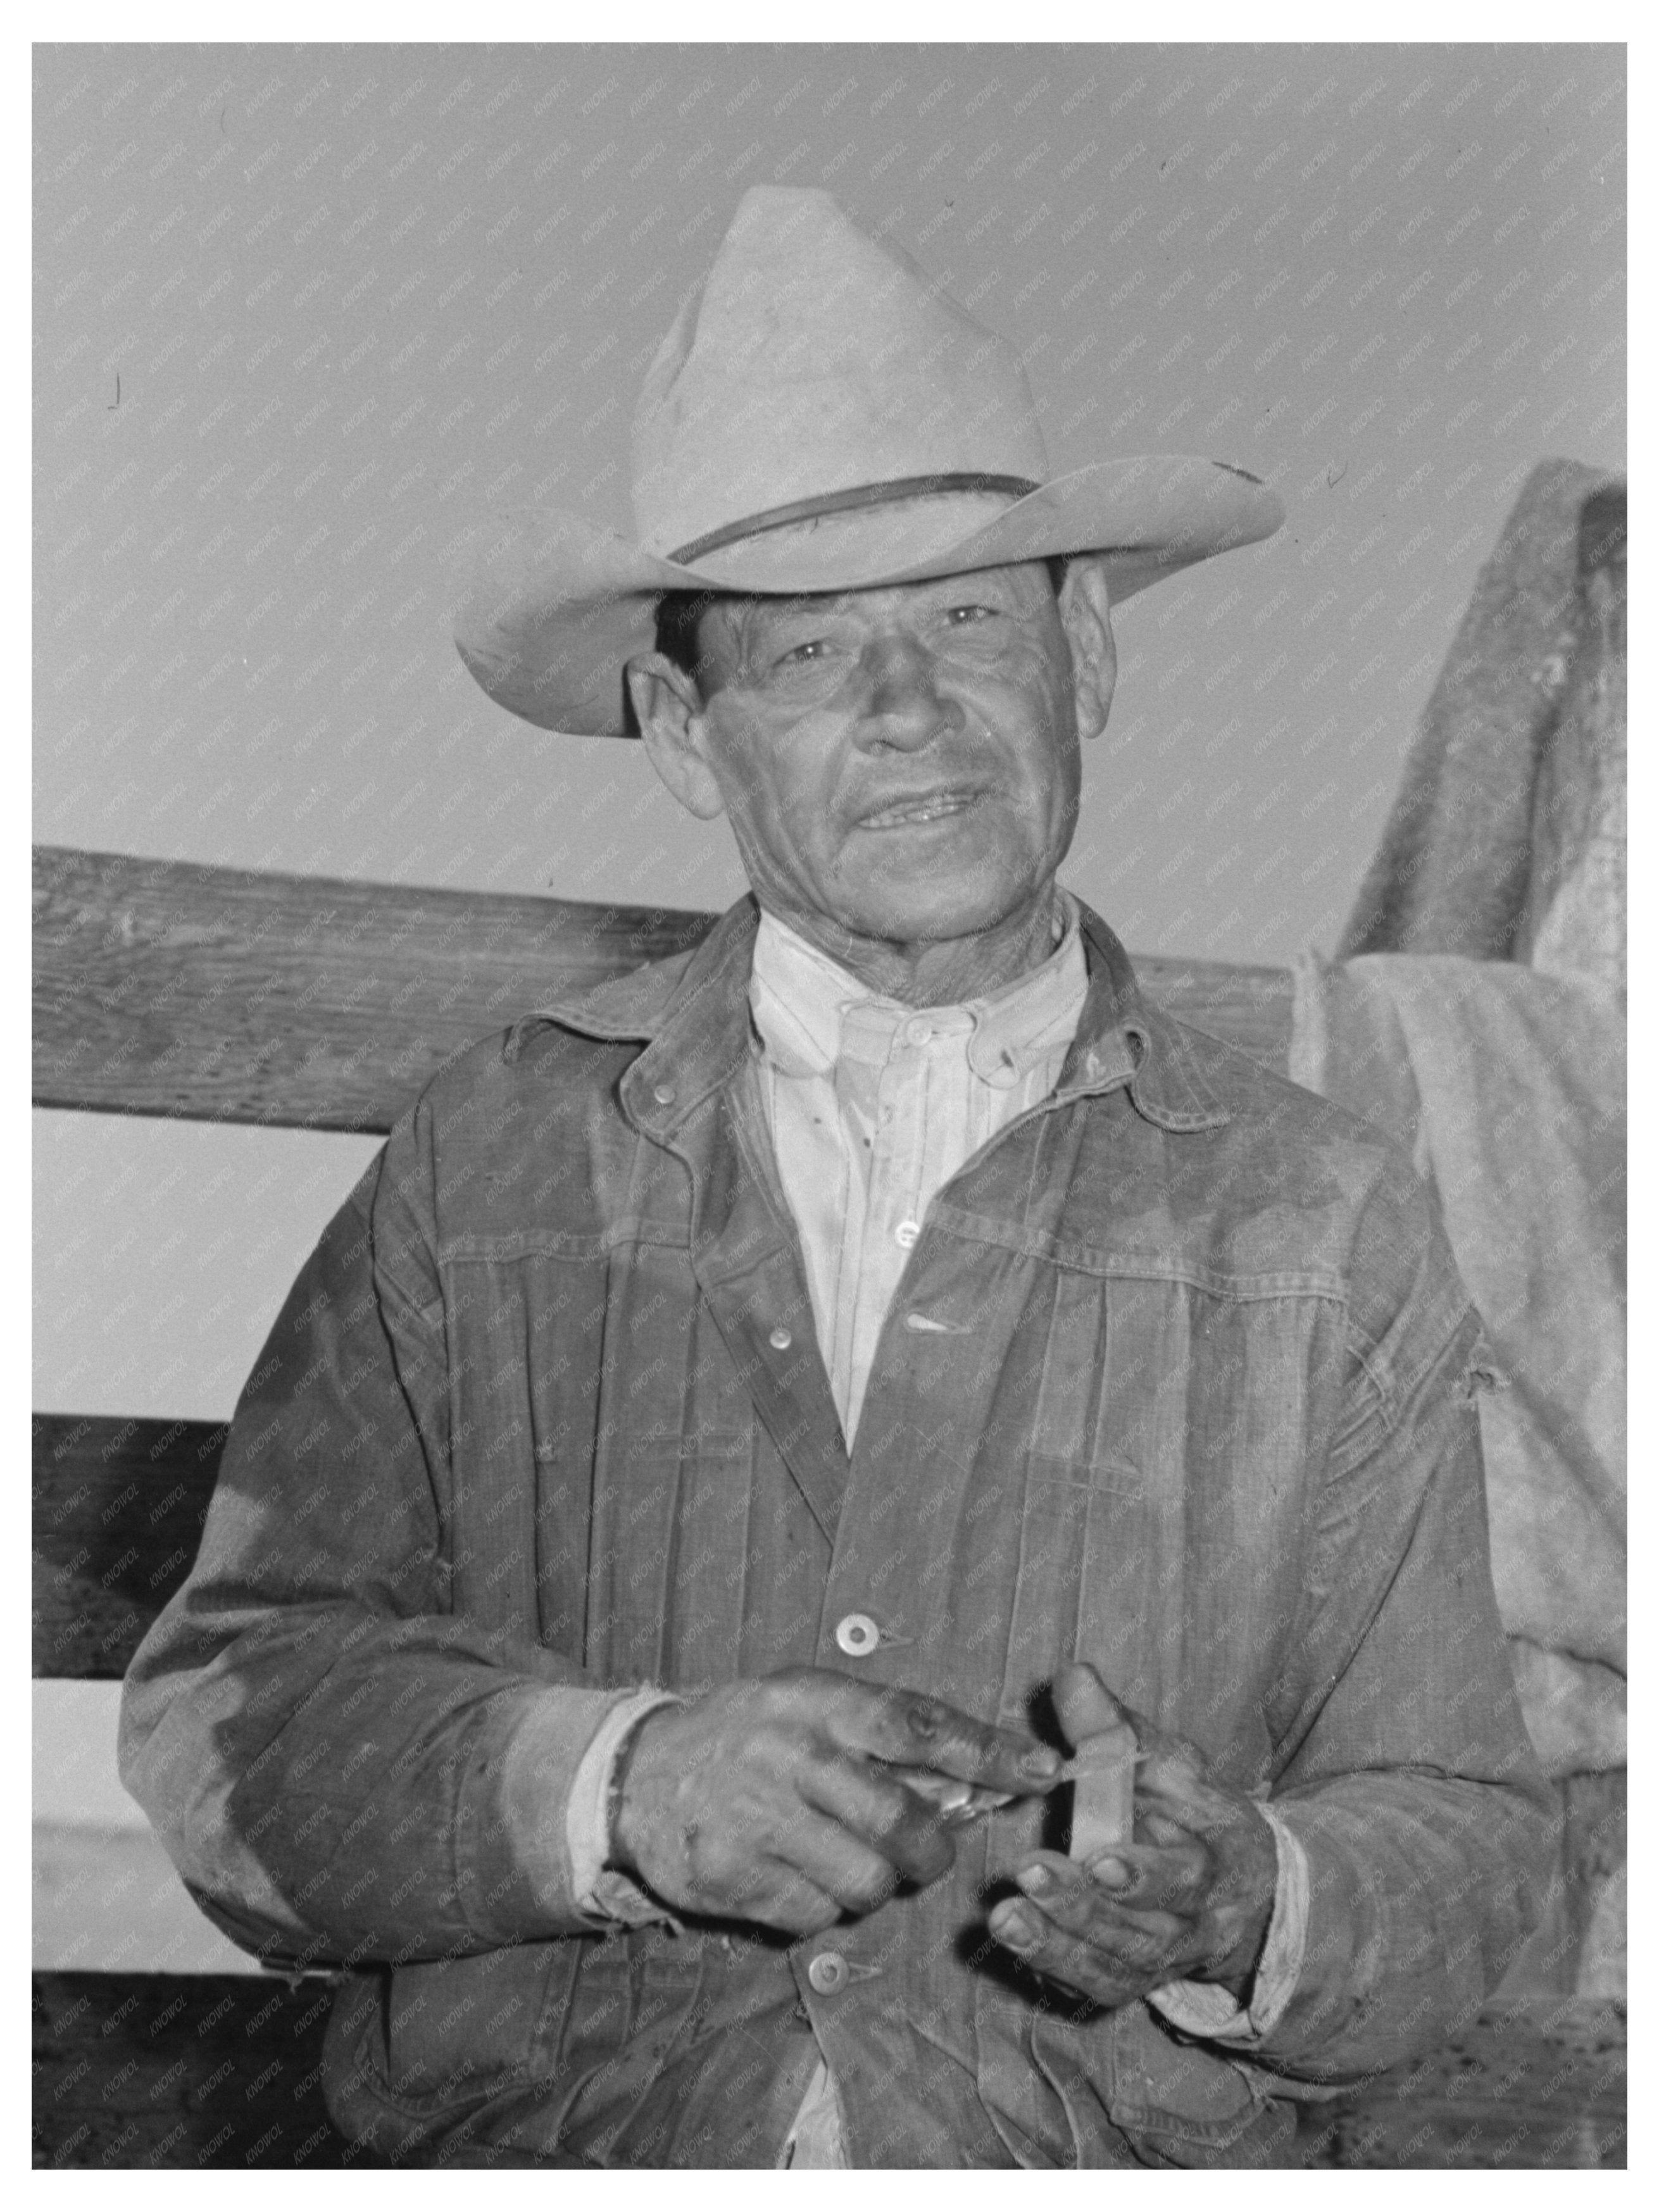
x=926, y=806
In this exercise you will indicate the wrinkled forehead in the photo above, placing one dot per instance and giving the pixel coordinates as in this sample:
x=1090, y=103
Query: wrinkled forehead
x=738, y=621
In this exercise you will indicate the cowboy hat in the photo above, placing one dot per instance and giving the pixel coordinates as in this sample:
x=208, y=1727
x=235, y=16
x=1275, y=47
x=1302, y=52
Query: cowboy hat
x=821, y=417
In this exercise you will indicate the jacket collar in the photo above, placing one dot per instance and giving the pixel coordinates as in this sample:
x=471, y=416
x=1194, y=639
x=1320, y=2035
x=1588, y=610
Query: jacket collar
x=692, y=1014
x=1122, y=1039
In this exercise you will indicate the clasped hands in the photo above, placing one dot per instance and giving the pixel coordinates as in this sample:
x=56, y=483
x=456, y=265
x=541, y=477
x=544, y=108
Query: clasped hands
x=775, y=1801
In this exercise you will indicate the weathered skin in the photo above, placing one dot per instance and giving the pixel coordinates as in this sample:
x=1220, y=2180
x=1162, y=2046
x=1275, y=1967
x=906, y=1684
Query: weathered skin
x=817, y=717
x=766, y=1800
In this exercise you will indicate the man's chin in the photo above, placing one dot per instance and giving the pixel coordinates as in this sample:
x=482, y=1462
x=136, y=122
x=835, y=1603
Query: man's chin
x=914, y=912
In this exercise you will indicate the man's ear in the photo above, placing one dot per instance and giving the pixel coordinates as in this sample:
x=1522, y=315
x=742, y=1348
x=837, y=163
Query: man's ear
x=1085, y=612
x=669, y=712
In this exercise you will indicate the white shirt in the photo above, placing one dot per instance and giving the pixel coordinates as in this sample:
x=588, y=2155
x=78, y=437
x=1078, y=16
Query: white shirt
x=873, y=1106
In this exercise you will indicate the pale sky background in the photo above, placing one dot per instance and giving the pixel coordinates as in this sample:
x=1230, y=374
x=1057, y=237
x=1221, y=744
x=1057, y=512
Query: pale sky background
x=359, y=299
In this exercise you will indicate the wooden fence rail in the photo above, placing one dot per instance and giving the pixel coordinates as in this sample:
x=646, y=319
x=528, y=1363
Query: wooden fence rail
x=221, y=995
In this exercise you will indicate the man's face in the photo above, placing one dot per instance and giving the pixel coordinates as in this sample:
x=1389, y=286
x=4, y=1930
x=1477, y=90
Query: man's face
x=903, y=762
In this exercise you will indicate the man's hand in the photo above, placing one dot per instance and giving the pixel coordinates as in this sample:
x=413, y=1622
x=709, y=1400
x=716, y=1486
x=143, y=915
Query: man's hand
x=766, y=1800
x=1189, y=1900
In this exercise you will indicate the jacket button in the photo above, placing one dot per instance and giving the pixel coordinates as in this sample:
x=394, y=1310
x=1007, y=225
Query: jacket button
x=779, y=1339
x=827, y=1974
x=857, y=1635
x=665, y=1094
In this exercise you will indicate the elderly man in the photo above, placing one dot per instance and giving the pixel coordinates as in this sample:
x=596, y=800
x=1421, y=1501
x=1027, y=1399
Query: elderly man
x=754, y=1419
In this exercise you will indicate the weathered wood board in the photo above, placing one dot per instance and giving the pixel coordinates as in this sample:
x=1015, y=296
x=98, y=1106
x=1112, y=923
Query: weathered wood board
x=222, y=995
x=296, y=1001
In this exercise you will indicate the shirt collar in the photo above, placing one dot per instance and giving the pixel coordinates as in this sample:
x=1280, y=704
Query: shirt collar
x=692, y=1014
x=810, y=1011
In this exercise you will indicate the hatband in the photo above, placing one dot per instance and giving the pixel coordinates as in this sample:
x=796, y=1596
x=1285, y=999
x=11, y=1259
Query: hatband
x=840, y=502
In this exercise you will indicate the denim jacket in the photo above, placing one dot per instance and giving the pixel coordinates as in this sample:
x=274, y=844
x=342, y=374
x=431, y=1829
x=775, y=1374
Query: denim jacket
x=544, y=1418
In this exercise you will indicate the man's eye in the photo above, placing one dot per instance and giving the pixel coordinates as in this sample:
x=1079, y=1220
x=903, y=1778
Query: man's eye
x=815, y=649
x=959, y=617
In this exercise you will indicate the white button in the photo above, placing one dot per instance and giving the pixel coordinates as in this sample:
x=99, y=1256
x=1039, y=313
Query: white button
x=916, y=1032
x=779, y=1339
x=907, y=1233
x=665, y=1094
x=827, y=1974
x=857, y=1634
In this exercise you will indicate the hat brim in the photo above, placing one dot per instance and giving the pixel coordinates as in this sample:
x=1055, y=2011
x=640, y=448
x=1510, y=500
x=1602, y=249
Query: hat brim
x=556, y=606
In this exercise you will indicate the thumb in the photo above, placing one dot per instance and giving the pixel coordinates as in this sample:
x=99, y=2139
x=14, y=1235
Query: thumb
x=1085, y=1706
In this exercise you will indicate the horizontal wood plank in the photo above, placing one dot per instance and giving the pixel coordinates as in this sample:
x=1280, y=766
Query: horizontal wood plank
x=222, y=995
x=118, y=1512
x=1248, y=1007
x=188, y=2070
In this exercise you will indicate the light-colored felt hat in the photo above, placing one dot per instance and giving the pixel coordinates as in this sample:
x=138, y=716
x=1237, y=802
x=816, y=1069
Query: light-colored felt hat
x=821, y=417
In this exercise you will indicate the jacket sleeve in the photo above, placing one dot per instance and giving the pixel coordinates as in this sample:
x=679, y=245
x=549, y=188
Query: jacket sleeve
x=1410, y=1781
x=341, y=1767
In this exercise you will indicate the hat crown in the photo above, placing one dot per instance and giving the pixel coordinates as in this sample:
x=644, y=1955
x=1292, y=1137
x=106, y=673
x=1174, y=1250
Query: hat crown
x=815, y=360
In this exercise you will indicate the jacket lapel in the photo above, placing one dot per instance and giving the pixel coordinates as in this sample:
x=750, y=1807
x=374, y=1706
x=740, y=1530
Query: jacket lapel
x=693, y=1091
x=747, y=1260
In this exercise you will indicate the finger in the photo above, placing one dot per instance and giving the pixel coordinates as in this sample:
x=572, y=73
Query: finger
x=1083, y=1705
x=780, y=1896
x=881, y=1814
x=1174, y=1769
x=1155, y=1876
x=905, y=1727
x=1216, y=1813
x=954, y=1802
x=1110, y=1974
x=819, y=1848
x=1142, y=1933
x=1155, y=1826
x=1086, y=1706
x=1019, y=1928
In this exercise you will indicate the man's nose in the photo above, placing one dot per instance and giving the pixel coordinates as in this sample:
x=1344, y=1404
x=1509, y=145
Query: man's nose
x=904, y=705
